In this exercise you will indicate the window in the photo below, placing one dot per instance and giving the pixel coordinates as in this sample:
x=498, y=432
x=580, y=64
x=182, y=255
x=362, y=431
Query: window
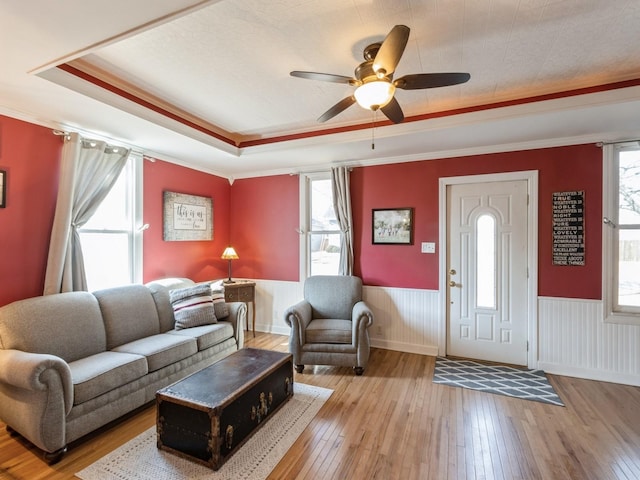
x=621, y=233
x=321, y=235
x=111, y=243
x=486, y=262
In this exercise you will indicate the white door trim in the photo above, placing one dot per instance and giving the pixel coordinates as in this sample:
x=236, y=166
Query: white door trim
x=531, y=176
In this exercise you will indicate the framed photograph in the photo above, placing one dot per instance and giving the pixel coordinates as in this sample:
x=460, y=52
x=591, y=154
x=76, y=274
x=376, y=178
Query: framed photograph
x=187, y=217
x=392, y=226
x=3, y=188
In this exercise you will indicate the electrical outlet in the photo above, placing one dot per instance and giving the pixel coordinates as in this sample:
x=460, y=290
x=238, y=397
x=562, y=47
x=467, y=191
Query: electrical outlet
x=379, y=330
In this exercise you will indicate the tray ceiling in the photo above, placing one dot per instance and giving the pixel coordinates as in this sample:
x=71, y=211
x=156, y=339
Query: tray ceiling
x=207, y=84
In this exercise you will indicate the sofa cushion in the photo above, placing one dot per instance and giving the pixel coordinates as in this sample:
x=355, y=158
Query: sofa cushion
x=207, y=335
x=97, y=374
x=219, y=303
x=67, y=325
x=161, y=350
x=329, y=330
x=193, y=306
x=129, y=314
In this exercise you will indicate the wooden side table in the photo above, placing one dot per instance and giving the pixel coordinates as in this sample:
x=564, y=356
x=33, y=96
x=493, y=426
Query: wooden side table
x=243, y=291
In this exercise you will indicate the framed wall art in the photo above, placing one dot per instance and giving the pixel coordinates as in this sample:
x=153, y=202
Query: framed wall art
x=392, y=226
x=3, y=188
x=568, y=228
x=187, y=217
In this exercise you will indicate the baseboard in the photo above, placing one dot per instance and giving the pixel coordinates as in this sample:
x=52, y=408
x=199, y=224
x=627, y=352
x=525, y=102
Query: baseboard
x=405, y=347
x=275, y=329
x=590, y=374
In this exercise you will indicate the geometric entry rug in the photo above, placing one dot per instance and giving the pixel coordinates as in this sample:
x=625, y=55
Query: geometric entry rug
x=499, y=379
x=140, y=458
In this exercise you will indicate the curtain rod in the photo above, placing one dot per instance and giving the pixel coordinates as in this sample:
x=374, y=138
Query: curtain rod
x=134, y=149
x=311, y=172
x=636, y=140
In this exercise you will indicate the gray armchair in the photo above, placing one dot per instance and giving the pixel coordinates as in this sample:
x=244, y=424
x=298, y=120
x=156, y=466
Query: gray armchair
x=331, y=325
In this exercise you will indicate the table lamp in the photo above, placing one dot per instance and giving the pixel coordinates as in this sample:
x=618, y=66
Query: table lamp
x=229, y=254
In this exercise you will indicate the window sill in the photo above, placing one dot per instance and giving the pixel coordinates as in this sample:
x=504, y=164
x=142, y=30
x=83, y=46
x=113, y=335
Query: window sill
x=622, y=318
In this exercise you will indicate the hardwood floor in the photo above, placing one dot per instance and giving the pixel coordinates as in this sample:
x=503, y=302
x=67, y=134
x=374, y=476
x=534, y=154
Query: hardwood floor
x=394, y=423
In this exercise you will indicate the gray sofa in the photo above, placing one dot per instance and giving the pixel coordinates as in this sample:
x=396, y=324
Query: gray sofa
x=72, y=362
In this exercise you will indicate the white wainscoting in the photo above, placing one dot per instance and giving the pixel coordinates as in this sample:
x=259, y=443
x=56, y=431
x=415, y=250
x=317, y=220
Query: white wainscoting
x=575, y=341
x=572, y=338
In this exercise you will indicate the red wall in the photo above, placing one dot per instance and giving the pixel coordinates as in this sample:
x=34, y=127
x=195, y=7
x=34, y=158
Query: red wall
x=259, y=217
x=264, y=219
x=416, y=185
x=198, y=260
x=31, y=157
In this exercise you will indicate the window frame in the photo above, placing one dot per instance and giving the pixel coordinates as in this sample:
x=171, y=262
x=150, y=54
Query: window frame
x=306, y=215
x=135, y=228
x=613, y=313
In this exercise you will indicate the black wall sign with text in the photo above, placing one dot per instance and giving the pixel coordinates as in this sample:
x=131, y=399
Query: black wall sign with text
x=568, y=228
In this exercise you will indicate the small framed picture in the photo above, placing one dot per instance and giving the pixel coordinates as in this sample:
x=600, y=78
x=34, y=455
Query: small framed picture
x=392, y=226
x=3, y=188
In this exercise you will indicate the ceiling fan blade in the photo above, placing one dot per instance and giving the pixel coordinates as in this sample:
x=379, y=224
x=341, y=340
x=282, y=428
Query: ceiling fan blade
x=430, y=80
x=337, y=108
x=391, y=50
x=325, y=77
x=393, y=111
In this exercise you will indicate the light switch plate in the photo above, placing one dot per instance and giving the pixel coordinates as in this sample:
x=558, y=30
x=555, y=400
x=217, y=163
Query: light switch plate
x=428, y=247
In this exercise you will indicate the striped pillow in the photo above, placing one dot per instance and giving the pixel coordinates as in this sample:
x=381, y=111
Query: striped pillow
x=193, y=306
x=219, y=303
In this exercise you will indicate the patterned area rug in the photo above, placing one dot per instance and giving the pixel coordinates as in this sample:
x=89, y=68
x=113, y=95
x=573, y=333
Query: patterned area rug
x=500, y=379
x=140, y=459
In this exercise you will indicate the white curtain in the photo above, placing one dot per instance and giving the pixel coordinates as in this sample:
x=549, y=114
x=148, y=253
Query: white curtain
x=89, y=168
x=342, y=205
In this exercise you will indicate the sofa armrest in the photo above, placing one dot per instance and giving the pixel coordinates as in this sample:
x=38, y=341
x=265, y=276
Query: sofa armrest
x=298, y=318
x=37, y=372
x=238, y=318
x=361, y=318
x=36, y=395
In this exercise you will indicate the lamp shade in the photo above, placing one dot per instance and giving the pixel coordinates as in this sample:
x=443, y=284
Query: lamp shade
x=229, y=254
x=374, y=95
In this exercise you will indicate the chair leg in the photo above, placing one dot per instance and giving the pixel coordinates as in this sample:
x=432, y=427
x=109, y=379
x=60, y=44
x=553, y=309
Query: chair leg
x=359, y=370
x=299, y=368
x=55, y=457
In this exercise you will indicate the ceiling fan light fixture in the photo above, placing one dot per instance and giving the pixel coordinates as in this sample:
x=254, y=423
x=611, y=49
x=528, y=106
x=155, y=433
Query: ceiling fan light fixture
x=374, y=95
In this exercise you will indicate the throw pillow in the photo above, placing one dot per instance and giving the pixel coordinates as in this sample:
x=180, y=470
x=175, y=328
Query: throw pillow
x=193, y=306
x=219, y=303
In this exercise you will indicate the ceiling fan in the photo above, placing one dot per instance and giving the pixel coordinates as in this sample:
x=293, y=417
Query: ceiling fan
x=374, y=78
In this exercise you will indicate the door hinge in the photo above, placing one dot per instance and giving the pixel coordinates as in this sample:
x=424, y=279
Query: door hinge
x=527, y=345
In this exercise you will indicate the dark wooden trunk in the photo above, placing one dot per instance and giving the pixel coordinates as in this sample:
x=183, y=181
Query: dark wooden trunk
x=210, y=414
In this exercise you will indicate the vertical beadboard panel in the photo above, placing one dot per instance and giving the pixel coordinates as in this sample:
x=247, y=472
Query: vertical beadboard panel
x=405, y=319
x=574, y=340
x=272, y=299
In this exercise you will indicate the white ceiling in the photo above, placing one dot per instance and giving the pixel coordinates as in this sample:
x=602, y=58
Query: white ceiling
x=224, y=66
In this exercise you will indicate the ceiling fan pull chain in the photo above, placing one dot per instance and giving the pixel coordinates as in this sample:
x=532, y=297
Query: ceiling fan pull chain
x=373, y=131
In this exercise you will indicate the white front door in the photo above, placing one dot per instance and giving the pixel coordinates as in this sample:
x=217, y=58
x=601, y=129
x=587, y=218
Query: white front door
x=487, y=284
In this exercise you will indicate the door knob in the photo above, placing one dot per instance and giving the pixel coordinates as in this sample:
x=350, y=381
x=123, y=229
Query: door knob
x=452, y=283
